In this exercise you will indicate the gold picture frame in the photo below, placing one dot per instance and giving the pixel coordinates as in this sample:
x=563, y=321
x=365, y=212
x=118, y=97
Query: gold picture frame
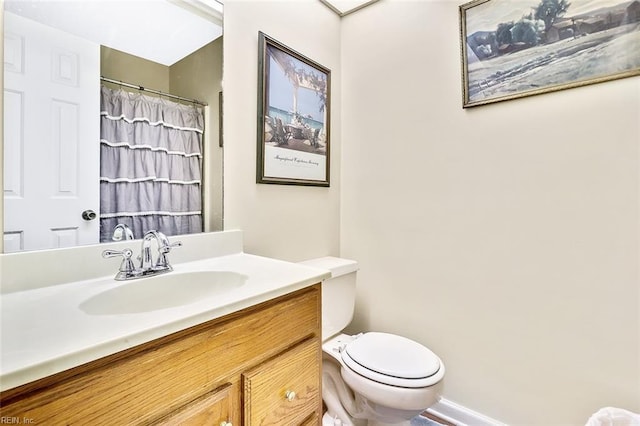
x=511, y=49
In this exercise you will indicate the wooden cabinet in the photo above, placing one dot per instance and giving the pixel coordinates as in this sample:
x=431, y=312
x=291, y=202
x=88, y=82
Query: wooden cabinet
x=261, y=365
x=282, y=391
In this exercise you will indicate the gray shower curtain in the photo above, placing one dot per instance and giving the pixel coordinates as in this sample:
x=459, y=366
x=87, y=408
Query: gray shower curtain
x=150, y=164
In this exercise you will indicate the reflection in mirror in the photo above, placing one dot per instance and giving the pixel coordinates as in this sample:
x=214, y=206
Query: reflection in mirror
x=76, y=166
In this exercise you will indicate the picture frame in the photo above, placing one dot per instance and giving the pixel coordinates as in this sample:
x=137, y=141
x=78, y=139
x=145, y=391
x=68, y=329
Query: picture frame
x=511, y=49
x=294, y=99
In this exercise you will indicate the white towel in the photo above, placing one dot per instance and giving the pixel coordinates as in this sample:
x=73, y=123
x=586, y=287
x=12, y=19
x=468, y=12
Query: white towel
x=610, y=416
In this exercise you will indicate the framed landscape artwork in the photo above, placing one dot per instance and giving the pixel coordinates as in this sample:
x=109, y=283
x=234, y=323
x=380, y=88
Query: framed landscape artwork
x=293, y=117
x=515, y=48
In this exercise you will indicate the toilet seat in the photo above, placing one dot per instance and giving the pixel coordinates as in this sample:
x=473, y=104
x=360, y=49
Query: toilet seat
x=392, y=360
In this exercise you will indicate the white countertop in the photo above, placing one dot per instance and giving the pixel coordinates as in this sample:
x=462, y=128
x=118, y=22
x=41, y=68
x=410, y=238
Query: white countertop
x=45, y=330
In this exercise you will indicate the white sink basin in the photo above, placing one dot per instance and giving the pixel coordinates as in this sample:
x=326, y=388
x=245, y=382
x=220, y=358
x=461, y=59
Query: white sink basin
x=162, y=291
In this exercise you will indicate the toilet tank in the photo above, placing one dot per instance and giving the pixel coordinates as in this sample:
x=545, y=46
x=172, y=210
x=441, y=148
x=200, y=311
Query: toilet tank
x=338, y=293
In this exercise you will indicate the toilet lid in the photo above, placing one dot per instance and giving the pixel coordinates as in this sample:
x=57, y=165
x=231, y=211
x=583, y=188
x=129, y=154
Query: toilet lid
x=392, y=360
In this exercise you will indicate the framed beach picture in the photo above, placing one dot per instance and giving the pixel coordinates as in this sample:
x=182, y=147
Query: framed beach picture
x=516, y=48
x=293, y=117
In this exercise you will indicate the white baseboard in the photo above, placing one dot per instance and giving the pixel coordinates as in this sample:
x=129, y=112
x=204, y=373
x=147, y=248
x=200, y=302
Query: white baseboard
x=459, y=415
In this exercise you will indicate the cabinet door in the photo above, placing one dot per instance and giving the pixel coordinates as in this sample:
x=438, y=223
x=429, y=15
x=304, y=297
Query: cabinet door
x=286, y=389
x=215, y=409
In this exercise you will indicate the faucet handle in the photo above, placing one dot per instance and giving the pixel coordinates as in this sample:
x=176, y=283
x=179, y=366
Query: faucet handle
x=163, y=262
x=126, y=253
x=127, y=269
x=167, y=248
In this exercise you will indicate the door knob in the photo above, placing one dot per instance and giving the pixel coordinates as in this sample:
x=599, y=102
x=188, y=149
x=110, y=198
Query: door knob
x=89, y=215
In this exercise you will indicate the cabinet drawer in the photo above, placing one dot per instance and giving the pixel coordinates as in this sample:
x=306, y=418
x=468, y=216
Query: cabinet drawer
x=215, y=408
x=313, y=420
x=286, y=389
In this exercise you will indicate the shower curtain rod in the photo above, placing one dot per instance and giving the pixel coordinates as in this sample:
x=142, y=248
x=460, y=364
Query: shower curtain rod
x=157, y=92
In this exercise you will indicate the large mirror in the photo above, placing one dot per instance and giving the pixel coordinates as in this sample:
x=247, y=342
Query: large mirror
x=70, y=67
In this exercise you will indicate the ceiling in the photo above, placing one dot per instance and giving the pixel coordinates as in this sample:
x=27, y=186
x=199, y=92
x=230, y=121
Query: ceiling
x=345, y=7
x=162, y=31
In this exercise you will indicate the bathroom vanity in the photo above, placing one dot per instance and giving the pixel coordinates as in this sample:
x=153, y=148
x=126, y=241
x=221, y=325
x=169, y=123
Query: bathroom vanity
x=248, y=355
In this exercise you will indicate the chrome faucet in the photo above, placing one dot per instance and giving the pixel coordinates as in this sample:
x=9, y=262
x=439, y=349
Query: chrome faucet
x=147, y=267
x=164, y=247
x=122, y=232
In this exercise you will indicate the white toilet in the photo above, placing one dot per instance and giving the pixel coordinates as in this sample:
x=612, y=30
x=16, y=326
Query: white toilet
x=369, y=378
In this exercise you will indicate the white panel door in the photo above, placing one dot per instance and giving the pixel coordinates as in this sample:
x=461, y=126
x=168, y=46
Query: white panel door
x=51, y=137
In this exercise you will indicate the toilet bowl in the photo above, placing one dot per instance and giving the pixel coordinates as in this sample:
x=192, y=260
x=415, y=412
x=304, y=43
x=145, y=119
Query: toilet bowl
x=369, y=378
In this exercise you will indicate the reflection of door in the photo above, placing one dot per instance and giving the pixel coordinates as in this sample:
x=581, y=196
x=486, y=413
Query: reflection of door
x=51, y=137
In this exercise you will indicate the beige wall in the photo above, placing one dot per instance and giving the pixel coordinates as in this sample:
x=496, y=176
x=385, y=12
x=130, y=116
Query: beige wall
x=121, y=66
x=286, y=222
x=199, y=76
x=504, y=237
